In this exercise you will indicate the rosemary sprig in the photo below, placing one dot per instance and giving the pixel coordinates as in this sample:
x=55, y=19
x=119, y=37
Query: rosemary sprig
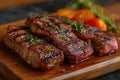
x=79, y=4
x=79, y=26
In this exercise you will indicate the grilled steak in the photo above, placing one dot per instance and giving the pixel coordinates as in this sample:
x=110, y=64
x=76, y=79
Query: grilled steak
x=35, y=51
x=62, y=36
x=103, y=42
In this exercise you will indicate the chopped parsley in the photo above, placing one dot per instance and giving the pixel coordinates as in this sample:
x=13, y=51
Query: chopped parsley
x=32, y=38
x=51, y=25
x=77, y=25
x=61, y=29
x=52, y=28
x=63, y=37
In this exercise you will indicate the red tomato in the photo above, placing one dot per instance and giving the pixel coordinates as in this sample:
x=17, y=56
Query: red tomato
x=97, y=22
x=83, y=15
x=67, y=12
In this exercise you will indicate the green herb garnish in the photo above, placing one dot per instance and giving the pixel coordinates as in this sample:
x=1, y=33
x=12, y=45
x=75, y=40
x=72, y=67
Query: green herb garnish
x=63, y=37
x=50, y=24
x=61, y=29
x=79, y=4
x=52, y=28
x=77, y=25
x=32, y=38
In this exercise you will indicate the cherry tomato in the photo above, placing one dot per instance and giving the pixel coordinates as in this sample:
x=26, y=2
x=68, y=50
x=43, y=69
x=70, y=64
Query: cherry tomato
x=97, y=22
x=67, y=12
x=83, y=15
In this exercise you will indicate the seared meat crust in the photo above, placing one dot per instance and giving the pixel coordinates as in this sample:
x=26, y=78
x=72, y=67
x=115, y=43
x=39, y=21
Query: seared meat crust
x=62, y=36
x=38, y=53
x=103, y=42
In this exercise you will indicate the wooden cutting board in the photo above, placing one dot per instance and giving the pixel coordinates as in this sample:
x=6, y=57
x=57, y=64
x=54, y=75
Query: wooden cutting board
x=12, y=67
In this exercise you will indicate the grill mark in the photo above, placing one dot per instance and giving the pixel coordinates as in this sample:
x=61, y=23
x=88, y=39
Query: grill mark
x=36, y=49
x=17, y=33
x=21, y=38
x=41, y=26
x=55, y=55
x=38, y=45
x=78, y=48
x=57, y=24
x=100, y=39
x=35, y=44
x=12, y=28
x=49, y=24
x=75, y=42
x=55, y=19
x=45, y=54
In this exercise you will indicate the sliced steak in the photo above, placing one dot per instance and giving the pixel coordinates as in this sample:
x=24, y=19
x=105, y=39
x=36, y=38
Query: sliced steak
x=35, y=51
x=103, y=42
x=62, y=36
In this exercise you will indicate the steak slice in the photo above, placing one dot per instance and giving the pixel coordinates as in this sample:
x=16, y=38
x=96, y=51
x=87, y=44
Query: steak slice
x=103, y=42
x=35, y=51
x=61, y=35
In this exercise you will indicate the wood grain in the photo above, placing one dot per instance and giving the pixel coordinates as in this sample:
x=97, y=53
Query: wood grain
x=12, y=67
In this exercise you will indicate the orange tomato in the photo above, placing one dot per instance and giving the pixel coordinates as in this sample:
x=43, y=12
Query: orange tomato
x=67, y=12
x=83, y=15
x=97, y=22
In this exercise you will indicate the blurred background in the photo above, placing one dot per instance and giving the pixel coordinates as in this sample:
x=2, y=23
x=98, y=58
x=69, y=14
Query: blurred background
x=13, y=10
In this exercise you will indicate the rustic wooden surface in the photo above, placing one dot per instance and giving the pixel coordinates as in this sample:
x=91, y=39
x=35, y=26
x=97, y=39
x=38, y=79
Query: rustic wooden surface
x=12, y=67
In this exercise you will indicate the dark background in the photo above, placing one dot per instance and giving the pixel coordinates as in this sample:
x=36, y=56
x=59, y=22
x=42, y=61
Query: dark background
x=22, y=12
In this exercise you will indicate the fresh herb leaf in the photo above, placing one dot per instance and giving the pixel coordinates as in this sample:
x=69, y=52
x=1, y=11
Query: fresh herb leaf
x=77, y=25
x=63, y=37
x=61, y=29
x=32, y=38
x=68, y=21
x=52, y=28
x=50, y=24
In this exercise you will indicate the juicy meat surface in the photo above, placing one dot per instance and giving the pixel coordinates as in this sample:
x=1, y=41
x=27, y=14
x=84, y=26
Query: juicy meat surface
x=35, y=51
x=103, y=42
x=62, y=36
